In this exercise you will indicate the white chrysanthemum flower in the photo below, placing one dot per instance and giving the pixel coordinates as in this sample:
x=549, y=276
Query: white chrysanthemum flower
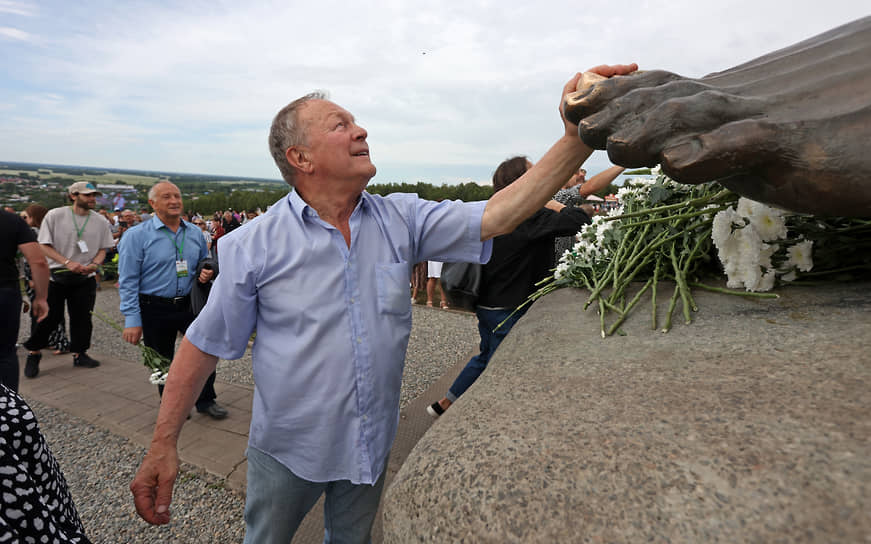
x=157, y=378
x=561, y=270
x=721, y=230
x=800, y=256
x=789, y=276
x=769, y=222
x=765, y=282
x=614, y=212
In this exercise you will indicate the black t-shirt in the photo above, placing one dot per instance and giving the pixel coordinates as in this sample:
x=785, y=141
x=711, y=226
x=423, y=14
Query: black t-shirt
x=13, y=232
x=522, y=258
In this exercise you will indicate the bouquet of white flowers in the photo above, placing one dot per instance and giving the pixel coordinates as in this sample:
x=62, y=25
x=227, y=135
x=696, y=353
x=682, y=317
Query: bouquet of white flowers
x=667, y=231
x=154, y=361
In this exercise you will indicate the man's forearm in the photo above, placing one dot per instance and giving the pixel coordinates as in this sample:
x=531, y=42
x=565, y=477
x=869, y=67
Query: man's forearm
x=600, y=181
x=190, y=369
x=509, y=207
x=53, y=254
x=99, y=257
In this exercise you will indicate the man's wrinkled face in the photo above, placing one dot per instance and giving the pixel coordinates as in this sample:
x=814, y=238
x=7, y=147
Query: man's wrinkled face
x=167, y=201
x=335, y=142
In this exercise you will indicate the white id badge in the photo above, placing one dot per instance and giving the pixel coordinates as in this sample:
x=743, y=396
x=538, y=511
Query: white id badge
x=181, y=269
x=83, y=246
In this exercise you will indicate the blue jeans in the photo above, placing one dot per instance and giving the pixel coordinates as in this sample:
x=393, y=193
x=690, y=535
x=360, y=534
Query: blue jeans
x=488, y=320
x=278, y=500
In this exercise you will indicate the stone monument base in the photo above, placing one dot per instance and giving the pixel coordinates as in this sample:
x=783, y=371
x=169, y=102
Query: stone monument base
x=752, y=424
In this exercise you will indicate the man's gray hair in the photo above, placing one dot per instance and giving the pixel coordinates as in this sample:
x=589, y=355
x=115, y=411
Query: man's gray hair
x=152, y=192
x=287, y=131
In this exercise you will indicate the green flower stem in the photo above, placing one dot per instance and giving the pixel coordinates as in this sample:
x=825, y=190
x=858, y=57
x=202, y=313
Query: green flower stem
x=688, y=215
x=629, y=307
x=719, y=198
x=671, y=305
x=625, y=281
x=733, y=292
x=834, y=270
x=150, y=357
x=653, y=289
x=107, y=320
x=602, y=317
x=681, y=287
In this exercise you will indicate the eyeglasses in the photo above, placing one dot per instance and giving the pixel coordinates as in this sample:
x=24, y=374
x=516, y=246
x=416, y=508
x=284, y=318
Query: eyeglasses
x=198, y=223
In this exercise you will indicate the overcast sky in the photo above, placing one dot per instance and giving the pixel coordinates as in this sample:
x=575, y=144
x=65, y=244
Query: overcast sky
x=445, y=89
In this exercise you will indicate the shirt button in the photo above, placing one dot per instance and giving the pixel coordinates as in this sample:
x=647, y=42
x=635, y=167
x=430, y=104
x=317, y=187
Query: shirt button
x=359, y=340
x=352, y=301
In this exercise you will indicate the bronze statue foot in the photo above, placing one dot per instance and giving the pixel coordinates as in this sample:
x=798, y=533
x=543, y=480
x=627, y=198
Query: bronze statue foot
x=791, y=128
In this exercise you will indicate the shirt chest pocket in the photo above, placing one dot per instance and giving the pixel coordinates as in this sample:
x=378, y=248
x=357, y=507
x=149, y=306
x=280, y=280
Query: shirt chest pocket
x=392, y=285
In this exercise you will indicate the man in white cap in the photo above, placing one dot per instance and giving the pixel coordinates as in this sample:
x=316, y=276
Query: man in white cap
x=74, y=239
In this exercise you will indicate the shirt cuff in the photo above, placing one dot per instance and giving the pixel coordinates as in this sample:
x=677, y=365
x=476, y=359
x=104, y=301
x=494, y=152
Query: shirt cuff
x=132, y=321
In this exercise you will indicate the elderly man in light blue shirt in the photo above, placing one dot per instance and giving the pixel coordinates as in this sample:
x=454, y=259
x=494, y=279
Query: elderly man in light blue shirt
x=323, y=278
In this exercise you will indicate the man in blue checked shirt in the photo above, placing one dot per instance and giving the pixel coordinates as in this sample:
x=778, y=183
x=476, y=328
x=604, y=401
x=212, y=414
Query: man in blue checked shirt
x=323, y=278
x=156, y=268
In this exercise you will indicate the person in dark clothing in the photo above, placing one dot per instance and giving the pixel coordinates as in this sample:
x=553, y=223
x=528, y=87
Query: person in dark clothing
x=520, y=259
x=17, y=236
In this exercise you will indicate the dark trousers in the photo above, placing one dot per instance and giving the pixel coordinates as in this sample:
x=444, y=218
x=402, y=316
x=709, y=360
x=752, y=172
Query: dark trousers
x=161, y=324
x=491, y=337
x=79, y=300
x=10, y=314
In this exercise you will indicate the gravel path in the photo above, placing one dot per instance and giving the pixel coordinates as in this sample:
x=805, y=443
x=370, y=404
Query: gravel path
x=99, y=465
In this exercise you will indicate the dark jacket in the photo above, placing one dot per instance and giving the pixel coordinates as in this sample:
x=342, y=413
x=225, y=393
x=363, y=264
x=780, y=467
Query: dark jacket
x=200, y=291
x=524, y=257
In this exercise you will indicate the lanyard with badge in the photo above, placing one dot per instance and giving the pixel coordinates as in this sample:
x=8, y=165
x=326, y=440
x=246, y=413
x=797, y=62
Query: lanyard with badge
x=181, y=265
x=83, y=246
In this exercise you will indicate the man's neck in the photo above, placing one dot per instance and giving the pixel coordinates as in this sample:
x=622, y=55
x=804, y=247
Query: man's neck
x=80, y=211
x=172, y=223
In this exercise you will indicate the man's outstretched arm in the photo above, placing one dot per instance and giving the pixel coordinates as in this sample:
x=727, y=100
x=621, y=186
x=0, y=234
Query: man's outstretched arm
x=152, y=485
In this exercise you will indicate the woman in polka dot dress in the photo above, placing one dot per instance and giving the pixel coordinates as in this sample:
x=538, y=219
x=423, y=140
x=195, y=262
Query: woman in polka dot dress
x=36, y=504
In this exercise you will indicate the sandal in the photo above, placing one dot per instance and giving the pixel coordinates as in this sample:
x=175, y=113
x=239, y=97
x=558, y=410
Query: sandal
x=445, y=305
x=429, y=303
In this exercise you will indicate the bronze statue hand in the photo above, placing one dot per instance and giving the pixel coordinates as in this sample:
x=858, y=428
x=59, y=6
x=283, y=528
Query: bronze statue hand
x=790, y=128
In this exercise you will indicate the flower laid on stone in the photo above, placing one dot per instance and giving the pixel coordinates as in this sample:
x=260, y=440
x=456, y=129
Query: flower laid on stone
x=157, y=363
x=667, y=231
x=759, y=245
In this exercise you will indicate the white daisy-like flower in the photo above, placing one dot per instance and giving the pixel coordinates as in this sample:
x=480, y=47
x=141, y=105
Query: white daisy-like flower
x=157, y=378
x=801, y=256
x=721, y=230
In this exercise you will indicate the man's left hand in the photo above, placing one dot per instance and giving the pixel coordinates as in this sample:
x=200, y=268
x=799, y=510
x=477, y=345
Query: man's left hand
x=206, y=275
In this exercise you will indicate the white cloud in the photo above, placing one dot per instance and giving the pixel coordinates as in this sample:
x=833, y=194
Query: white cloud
x=13, y=34
x=25, y=9
x=194, y=85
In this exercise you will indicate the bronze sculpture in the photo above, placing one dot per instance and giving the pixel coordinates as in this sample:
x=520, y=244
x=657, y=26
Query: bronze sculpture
x=791, y=128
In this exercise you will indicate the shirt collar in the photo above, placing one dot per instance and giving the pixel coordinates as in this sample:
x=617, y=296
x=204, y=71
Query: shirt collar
x=301, y=209
x=157, y=223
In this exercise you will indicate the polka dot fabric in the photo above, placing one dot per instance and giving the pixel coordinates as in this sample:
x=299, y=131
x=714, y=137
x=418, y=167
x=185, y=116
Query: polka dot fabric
x=36, y=506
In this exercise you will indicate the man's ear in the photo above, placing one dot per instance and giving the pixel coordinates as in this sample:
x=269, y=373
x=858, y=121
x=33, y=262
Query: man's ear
x=298, y=157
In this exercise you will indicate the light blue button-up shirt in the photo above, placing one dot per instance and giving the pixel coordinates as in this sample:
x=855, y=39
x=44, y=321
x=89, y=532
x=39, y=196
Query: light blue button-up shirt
x=146, y=263
x=332, y=323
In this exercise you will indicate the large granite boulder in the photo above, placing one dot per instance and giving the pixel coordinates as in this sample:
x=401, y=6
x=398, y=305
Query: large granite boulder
x=752, y=424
